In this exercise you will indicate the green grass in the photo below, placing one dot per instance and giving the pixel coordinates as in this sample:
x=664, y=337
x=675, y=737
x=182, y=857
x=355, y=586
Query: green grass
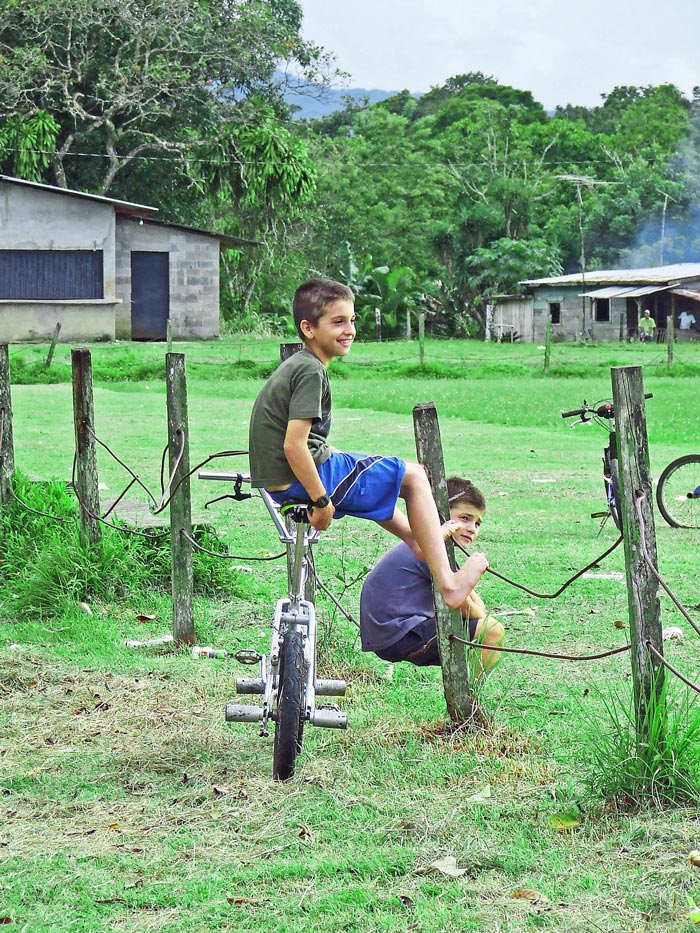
x=127, y=803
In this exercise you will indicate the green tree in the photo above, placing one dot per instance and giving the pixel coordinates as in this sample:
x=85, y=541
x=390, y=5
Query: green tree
x=125, y=79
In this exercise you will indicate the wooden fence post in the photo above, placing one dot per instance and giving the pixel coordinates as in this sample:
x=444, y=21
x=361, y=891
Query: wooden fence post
x=670, y=337
x=86, y=481
x=642, y=585
x=547, y=342
x=289, y=349
x=52, y=348
x=421, y=340
x=7, y=451
x=461, y=704
x=180, y=503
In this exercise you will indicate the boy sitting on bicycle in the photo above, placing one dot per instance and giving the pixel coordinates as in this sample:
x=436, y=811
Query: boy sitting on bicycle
x=291, y=458
x=397, y=614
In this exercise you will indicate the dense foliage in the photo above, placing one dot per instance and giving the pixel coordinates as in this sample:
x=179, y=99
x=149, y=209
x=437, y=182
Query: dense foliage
x=436, y=202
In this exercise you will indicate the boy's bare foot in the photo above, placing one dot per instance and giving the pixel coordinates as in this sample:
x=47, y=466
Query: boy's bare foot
x=456, y=590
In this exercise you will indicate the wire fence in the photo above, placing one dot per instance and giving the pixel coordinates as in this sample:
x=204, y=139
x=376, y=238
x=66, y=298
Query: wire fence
x=168, y=491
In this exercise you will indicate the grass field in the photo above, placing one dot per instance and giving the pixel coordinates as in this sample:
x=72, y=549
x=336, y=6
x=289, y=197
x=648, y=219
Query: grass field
x=127, y=803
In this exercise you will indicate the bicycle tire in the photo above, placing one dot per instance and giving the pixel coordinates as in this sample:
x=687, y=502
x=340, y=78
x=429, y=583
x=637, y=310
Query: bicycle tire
x=678, y=492
x=612, y=488
x=289, y=724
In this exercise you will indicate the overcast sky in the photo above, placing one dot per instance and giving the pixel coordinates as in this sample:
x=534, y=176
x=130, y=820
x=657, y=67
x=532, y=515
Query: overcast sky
x=563, y=52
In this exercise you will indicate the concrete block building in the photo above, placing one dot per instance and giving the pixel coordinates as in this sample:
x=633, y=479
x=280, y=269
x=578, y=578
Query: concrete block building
x=603, y=304
x=102, y=268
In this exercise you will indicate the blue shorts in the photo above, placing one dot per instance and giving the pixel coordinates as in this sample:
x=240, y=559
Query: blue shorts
x=360, y=485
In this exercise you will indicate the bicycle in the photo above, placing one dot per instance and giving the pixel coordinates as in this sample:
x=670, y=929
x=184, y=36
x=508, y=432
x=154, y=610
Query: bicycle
x=603, y=413
x=678, y=492
x=288, y=681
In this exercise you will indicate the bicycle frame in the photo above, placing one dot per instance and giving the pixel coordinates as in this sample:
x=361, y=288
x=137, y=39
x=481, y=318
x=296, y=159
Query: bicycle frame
x=294, y=612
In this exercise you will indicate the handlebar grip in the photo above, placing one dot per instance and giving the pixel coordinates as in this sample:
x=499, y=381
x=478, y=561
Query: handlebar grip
x=570, y=414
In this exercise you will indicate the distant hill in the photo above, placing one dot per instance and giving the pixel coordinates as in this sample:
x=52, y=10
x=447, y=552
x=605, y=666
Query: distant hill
x=328, y=101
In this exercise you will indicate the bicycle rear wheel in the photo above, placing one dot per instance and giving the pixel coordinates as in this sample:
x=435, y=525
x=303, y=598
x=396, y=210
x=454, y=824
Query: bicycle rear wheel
x=289, y=725
x=678, y=492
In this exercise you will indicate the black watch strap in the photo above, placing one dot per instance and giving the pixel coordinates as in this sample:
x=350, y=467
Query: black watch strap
x=321, y=502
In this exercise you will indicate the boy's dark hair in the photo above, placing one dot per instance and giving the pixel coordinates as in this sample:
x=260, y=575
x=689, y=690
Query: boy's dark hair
x=311, y=298
x=463, y=490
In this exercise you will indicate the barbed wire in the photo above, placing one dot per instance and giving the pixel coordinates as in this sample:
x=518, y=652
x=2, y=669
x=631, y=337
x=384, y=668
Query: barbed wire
x=336, y=602
x=121, y=463
x=541, y=654
x=56, y=518
x=243, y=163
x=152, y=535
x=650, y=563
x=200, y=547
x=671, y=668
x=561, y=589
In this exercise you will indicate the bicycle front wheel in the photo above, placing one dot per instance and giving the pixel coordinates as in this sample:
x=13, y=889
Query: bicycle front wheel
x=289, y=725
x=678, y=492
x=612, y=488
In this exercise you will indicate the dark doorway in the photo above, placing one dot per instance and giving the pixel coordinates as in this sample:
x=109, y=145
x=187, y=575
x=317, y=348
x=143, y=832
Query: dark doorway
x=150, y=295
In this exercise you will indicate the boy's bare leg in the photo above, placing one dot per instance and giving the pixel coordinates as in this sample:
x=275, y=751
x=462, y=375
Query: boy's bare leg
x=489, y=632
x=398, y=525
x=424, y=523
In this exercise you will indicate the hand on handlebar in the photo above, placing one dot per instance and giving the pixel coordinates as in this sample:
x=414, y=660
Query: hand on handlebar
x=320, y=519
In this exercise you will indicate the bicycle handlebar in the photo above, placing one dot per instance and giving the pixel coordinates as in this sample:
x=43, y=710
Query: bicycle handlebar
x=601, y=410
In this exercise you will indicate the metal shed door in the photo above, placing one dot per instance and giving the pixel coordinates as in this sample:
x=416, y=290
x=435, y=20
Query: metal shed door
x=150, y=295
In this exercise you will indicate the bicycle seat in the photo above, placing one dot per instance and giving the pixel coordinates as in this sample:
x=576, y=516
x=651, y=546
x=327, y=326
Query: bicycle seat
x=297, y=509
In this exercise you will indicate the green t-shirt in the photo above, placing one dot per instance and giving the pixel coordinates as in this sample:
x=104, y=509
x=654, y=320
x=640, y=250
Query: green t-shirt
x=298, y=388
x=647, y=325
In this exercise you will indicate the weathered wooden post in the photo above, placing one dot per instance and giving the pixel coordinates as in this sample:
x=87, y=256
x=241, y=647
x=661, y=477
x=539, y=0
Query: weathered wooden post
x=670, y=337
x=488, y=322
x=52, y=348
x=408, y=324
x=378, y=324
x=421, y=339
x=7, y=451
x=461, y=704
x=86, y=481
x=180, y=503
x=642, y=585
x=289, y=349
x=547, y=342
x=168, y=336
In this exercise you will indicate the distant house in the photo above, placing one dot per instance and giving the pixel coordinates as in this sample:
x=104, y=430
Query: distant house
x=605, y=305
x=102, y=268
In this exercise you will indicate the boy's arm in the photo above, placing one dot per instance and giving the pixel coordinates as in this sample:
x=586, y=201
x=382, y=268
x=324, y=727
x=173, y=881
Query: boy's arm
x=299, y=457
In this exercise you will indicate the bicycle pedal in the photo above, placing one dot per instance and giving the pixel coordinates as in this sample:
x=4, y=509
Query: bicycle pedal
x=329, y=718
x=250, y=685
x=248, y=656
x=235, y=712
x=330, y=688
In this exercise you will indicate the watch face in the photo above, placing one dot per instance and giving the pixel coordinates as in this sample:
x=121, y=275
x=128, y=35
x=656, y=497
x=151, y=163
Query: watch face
x=321, y=502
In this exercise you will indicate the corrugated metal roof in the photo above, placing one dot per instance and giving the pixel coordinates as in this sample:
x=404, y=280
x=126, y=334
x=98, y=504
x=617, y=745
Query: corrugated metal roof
x=655, y=275
x=610, y=291
x=686, y=293
x=121, y=207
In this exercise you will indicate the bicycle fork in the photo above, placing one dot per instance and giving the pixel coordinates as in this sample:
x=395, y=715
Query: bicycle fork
x=292, y=613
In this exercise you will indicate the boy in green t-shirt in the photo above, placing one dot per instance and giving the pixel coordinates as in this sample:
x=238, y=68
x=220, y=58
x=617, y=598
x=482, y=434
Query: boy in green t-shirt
x=291, y=458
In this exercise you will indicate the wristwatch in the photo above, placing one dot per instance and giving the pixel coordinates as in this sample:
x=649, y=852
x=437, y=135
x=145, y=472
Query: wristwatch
x=321, y=502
